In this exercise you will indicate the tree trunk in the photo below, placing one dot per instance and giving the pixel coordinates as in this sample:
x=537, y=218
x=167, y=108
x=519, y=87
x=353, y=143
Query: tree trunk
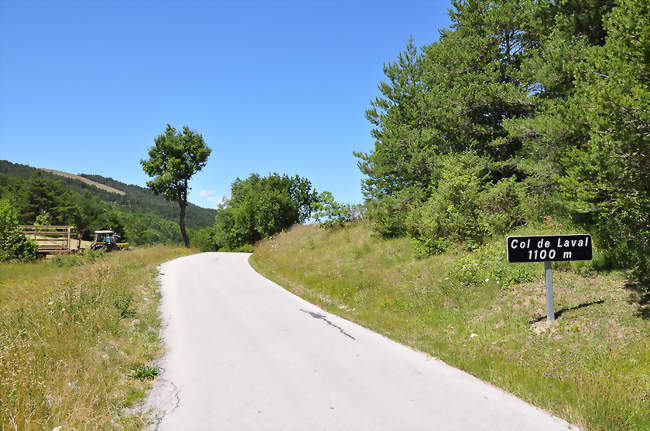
x=181, y=223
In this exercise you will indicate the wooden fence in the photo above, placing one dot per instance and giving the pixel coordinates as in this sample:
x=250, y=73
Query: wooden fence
x=50, y=239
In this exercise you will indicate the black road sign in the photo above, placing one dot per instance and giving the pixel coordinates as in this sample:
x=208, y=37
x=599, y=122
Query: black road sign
x=549, y=248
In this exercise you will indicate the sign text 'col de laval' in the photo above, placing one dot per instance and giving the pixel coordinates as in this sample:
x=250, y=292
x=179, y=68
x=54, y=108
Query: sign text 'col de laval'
x=549, y=248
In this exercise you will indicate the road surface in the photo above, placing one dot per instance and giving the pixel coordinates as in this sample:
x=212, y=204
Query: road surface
x=245, y=354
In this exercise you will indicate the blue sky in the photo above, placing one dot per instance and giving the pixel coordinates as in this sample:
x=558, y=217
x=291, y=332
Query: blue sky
x=273, y=86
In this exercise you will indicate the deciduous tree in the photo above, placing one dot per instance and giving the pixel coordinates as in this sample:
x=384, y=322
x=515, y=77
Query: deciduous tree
x=173, y=160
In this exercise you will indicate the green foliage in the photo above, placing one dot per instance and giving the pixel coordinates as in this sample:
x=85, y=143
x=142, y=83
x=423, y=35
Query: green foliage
x=388, y=212
x=42, y=194
x=464, y=206
x=146, y=229
x=607, y=176
x=553, y=100
x=140, y=217
x=246, y=248
x=43, y=219
x=173, y=160
x=13, y=244
x=203, y=239
x=261, y=207
x=88, y=256
x=328, y=213
x=489, y=264
x=140, y=200
x=123, y=304
x=143, y=372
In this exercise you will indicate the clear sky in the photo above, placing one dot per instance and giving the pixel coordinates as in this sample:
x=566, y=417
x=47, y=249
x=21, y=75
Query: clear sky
x=273, y=86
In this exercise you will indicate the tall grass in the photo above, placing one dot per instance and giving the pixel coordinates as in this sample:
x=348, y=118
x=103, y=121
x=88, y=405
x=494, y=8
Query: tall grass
x=72, y=332
x=591, y=367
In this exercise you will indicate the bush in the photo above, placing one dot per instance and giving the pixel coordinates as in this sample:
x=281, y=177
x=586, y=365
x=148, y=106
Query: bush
x=203, y=239
x=388, y=213
x=465, y=206
x=246, y=248
x=453, y=211
x=489, y=263
x=428, y=246
x=261, y=207
x=13, y=244
x=331, y=214
x=502, y=204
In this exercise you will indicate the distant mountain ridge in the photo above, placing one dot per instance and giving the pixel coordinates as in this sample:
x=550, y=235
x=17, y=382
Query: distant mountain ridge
x=129, y=197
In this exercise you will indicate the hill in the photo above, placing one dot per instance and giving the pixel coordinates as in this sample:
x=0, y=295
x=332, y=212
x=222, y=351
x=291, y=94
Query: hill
x=127, y=197
x=85, y=180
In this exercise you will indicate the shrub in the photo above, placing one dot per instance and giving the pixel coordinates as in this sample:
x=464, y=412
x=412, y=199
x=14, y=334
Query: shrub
x=465, y=206
x=388, y=213
x=331, y=214
x=246, y=248
x=453, y=211
x=13, y=244
x=489, y=263
x=203, y=239
x=502, y=204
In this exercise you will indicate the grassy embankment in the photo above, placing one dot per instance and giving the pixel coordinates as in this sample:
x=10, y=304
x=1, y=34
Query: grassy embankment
x=75, y=335
x=591, y=367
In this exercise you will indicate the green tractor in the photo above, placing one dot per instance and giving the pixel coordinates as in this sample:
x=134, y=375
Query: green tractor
x=107, y=240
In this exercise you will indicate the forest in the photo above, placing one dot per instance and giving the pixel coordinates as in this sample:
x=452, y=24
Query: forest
x=522, y=111
x=31, y=196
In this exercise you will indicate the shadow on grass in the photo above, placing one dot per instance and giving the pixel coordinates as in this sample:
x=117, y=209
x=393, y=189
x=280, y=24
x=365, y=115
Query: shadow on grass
x=559, y=313
x=639, y=289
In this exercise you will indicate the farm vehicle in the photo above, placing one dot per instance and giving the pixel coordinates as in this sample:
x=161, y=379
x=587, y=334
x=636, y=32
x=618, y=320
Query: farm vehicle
x=107, y=240
x=53, y=240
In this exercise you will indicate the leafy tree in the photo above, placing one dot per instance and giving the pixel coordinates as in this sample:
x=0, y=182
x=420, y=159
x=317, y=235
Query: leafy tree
x=330, y=213
x=260, y=207
x=173, y=159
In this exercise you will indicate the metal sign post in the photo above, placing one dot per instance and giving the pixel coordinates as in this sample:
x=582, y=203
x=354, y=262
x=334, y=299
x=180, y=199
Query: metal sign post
x=548, y=275
x=547, y=249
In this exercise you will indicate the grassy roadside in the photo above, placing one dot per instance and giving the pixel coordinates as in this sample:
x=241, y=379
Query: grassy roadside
x=75, y=334
x=591, y=367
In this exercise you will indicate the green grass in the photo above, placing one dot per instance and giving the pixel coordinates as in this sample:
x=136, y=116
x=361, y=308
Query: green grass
x=591, y=367
x=70, y=333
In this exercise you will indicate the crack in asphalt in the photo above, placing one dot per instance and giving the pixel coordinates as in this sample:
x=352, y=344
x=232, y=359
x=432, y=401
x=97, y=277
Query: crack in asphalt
x=324, y=318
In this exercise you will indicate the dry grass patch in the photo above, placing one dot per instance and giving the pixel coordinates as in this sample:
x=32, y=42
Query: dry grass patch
x=71, y=334
x=591, y=367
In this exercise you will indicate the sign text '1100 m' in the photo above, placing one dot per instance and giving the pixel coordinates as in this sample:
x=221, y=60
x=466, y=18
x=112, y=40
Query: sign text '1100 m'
x=549, y=248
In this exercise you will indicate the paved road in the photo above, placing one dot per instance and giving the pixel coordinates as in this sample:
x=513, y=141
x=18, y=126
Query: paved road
x=244, y=354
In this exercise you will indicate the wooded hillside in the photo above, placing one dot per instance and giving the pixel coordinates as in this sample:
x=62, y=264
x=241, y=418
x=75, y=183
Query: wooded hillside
x=139, y=215
x=137, y=199
x=521, y=112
